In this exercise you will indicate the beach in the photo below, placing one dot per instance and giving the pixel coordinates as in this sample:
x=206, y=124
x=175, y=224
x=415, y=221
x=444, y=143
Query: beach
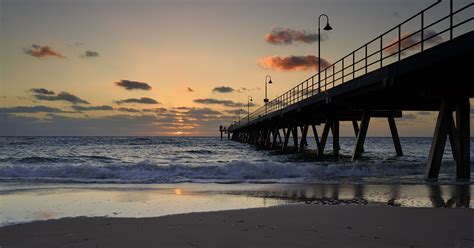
x=297, y=225
x=236, y=215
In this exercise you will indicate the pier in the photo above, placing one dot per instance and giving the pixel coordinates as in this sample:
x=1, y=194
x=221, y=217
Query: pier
x=380, y=79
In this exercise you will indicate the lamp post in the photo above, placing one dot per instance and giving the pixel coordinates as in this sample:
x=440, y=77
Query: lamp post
x=266, y=98
x=327, y=27
x=240, y=111
x=249, y=99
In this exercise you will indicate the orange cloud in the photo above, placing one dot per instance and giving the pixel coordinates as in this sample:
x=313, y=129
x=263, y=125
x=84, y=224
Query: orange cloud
x=42, y=51
x=292, y=63
x=408, y=41
x=286, y=36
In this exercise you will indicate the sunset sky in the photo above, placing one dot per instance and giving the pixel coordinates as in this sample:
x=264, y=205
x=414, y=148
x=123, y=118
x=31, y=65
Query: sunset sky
x=172, y=67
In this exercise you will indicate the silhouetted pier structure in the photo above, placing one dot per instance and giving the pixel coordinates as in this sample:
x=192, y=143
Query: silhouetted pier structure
x=381, y=79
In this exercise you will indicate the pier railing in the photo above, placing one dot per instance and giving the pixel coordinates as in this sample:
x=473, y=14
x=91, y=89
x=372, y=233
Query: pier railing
x=366, y=59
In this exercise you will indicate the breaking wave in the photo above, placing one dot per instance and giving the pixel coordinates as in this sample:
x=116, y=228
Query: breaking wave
x=231, y=172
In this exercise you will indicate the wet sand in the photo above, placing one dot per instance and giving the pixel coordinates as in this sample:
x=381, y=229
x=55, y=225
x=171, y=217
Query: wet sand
x=294, y=225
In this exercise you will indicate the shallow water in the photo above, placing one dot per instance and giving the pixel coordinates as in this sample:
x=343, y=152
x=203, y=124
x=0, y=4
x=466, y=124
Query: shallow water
x=206, y=160
x=25, y=202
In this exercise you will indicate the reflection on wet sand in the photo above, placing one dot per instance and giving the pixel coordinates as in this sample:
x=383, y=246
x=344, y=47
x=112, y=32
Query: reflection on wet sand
x=433, y=195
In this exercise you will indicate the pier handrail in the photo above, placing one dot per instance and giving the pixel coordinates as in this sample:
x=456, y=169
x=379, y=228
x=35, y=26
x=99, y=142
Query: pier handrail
x=340, y=72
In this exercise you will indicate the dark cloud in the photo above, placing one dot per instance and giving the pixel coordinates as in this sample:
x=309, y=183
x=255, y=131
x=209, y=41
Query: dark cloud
x=42, y=51
x=286, y=36
x=133, y=85
x=62, y=125
x=202, y=112
x=142, y=100
x=407, y=117
x=183, y=108
x=236, y=111
x=292, y=63
x=62, y=96
x=92, y=108
x=424, y=113
x=129, y=110
x=226, y=103
x=188, y=89
x=223, y=89
x=42, y=91
x=409, y=41
x=31, y=109
x=90, y=54
x=156, y=110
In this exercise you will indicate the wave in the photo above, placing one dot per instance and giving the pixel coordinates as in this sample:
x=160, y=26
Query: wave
x=231, y=172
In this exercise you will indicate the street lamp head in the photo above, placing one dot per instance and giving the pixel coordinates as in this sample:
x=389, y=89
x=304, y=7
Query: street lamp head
x=270, y=82
x=251, y=99
x=328, y=27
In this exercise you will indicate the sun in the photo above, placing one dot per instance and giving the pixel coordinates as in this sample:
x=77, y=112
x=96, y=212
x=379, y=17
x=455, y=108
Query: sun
x=179, y=133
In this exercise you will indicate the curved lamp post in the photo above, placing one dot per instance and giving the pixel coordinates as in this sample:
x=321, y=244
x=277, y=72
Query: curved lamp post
x=266, y=98
x=327, y=28
x=249, y=99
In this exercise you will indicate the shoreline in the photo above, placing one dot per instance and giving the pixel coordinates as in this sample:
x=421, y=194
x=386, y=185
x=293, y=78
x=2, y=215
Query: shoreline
x=23, y=203
x=293, y=225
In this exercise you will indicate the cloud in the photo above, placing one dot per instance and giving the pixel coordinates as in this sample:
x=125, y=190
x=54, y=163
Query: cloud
x=142, y=100
x=183, y=108
x=133, y=85
x=226, y=103
x=243, y=89
x=129, y=110
x=188, y=89
x=62, y=96
x=236, y=111
x=42, y=91
x=223, y=89
x=156, y=110
x=424, y=113
x=42, y=51
x=92, y=108
x=31, y=109
x=202, y=112
x=409, y=41
x=286, y=36
x=90, y=54
x=62, y=125
x=292, y=63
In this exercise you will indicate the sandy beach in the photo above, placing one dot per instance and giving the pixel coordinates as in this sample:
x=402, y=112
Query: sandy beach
x=295, y=225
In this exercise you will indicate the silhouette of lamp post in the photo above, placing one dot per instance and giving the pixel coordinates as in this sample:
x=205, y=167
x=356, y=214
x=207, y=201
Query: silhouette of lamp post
x=249, y=99
x=266, y=98
x=240, y=111
x=327, y=28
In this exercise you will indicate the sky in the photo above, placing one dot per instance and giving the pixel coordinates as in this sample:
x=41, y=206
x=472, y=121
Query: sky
x=174, y=67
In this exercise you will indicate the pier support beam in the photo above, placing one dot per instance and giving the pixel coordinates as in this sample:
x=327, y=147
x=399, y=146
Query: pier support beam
x=364, y=126
x=287, y=137
x=355, y=125
x=316, y=137
x=274, y=136
x=439, y=140
x=335, y=138
x=324, y=137
x=461, y=137
x=304, y=132
x=463, y=140
x=295, y=136
x=396, y=139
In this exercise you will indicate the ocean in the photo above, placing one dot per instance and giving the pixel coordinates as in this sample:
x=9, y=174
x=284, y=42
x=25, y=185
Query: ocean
x=208, y=160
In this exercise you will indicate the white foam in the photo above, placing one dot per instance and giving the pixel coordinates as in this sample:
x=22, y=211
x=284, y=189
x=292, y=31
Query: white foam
x=234, y=171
